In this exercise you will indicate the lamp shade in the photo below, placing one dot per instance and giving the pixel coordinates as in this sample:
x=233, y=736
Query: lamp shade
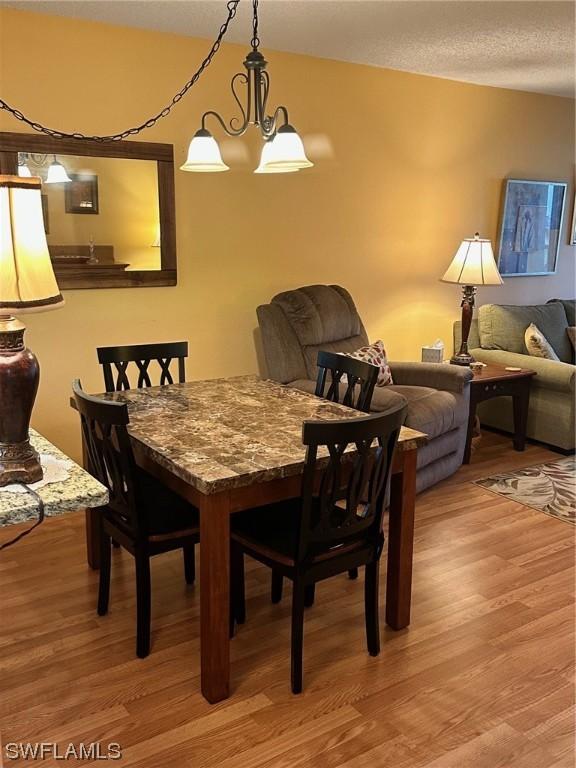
x=285, y=152
x=27, y=282
x=57, y=174
x=473, y=264
x=265, y=165
x=204, y=154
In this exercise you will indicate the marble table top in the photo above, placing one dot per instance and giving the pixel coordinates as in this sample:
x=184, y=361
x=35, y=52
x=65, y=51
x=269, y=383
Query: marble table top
x=76, y=490
x=226, y=433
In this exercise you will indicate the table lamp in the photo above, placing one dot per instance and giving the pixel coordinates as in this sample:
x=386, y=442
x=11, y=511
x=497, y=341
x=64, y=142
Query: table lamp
x=27, y=284
x=472, y=265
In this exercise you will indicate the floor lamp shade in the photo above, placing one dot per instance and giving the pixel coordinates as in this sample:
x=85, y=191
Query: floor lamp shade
x=473, y=265
x=27, y=284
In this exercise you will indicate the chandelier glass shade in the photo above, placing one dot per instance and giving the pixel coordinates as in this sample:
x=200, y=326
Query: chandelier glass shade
x=204, y=154
x=265, y=158
x=57, y=173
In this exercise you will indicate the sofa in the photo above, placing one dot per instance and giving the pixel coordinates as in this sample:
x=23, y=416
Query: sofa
x=297, y=324
x=497, y=336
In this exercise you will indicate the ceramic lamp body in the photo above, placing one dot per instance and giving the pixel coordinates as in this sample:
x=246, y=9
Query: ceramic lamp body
x=19, y=377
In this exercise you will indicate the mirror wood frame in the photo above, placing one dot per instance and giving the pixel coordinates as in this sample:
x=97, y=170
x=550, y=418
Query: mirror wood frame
x=163, y=154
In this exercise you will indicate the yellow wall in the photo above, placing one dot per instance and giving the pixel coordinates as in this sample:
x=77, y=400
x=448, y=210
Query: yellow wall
x=417, y=164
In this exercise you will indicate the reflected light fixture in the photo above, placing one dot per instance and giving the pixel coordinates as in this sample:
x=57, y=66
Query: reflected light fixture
x=57, y=173
x=283, y=151
x=23, y=169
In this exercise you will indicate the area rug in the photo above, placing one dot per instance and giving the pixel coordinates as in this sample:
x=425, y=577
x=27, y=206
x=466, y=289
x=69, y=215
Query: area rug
x=549, y=488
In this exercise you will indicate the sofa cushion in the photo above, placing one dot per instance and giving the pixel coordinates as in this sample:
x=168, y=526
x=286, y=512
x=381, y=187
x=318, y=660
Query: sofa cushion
x=503, y=327
x=432, y=411
x=537, y=344
x=569, y=307
x=320, y=314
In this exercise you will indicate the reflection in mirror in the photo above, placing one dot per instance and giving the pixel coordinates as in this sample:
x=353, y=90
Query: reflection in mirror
x=99, y=210
x=108, y=207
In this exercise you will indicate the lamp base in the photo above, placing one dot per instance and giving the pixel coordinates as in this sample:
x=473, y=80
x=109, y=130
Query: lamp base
x=19, y=376
x=19, y=463
x=462, y=358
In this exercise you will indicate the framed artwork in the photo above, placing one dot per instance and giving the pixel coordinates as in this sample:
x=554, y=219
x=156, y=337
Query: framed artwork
x=573, y=229
x=81, y=194
x=530, y=229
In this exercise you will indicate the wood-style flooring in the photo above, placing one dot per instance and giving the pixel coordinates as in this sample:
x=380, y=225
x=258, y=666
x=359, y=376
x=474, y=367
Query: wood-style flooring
x=483, y=677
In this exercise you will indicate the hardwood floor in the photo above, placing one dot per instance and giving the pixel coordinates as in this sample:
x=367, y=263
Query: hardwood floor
x=483, y=678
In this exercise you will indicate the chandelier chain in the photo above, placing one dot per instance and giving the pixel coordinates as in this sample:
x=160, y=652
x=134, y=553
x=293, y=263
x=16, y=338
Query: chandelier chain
x=255, y=39
x=232, y=6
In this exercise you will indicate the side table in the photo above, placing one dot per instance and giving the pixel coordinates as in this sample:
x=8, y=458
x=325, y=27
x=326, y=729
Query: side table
x=496, y=381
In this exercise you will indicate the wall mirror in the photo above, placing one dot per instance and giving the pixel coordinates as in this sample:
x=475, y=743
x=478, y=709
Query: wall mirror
x=108, y=207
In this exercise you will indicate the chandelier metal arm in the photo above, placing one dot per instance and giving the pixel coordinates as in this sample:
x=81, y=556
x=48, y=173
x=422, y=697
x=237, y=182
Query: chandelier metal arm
x=254, y=112
x=270, y=124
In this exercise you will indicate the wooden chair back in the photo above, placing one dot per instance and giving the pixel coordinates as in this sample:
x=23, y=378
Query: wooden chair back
x=355, y=390
x=347, y=505
x=115, y=362
x=110, y=456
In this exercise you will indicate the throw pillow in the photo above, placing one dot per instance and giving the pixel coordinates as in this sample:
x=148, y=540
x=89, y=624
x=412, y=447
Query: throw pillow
x=537, y=344
x=375, y=354
x=571, y=331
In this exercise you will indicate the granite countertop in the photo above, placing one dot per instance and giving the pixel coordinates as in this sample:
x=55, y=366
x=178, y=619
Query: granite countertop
x=78, y=490
x=225, y=433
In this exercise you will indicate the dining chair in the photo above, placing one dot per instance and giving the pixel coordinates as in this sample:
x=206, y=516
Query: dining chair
x=343, y=379
x=335, y=524
x=346, y=380
x=115, y=362
x=142, y=515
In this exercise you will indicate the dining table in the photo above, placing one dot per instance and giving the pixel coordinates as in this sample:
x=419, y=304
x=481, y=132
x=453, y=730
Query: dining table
x=231, y=444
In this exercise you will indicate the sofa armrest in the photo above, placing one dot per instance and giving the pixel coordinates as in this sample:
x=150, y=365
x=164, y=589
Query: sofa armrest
x=454, y=378
x=551, y=374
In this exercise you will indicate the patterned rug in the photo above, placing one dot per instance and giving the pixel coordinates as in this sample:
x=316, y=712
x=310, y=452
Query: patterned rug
x=549, y=488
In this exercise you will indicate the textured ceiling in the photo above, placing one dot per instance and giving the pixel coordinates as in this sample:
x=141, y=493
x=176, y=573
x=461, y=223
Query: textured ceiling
x=507, y=43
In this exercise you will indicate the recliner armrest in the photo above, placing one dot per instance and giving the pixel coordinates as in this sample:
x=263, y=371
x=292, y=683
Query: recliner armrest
x=453, y=378
x=551, y=374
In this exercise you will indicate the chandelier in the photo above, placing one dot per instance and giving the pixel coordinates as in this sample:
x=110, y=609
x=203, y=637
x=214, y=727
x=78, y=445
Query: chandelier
x=54, y=171
x=283, y=151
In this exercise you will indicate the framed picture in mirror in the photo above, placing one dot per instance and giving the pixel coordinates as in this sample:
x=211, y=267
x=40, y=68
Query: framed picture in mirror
x=81, y=193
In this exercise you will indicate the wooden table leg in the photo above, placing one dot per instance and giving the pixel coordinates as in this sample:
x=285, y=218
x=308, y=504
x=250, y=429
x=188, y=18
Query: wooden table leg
x=93, y=538
x=401, y=542
x=470, y=430
x=214, y=596
x=521, y=401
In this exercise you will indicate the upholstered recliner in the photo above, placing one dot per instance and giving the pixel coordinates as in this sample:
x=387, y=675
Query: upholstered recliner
x=297, y=324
